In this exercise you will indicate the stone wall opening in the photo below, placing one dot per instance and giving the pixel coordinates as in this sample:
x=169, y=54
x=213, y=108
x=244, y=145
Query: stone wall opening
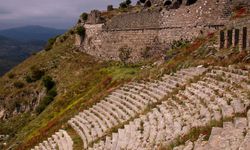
x=236, y=37
x=190, y=2
x=229, y=38
x=244, y=38
x=222, y=39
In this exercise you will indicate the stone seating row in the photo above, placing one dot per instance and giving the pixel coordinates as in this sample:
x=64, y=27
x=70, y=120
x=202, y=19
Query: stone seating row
x=126, y=103
x=60, y=140
x=196, y=106
x=210, y=98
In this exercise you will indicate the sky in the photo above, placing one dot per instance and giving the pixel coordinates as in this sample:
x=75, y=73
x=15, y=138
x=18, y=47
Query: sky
x=61, y=14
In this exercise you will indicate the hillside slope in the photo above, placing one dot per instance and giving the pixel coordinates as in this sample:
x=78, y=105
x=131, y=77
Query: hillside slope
x=66, y=95
x=82, y=81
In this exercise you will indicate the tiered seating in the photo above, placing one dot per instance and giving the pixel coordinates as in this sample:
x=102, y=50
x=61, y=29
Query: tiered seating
x=233, y=135
x=60, y=140
x=217, y=95
x=126, y=103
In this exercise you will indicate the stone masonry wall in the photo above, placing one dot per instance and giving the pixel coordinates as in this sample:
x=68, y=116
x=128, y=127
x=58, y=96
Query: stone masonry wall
x=148, y=19
x=154, y=29
x=232, y=35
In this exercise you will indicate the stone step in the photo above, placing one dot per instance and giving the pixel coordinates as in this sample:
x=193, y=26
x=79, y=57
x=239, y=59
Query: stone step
x=60, y=140
x=110, y=112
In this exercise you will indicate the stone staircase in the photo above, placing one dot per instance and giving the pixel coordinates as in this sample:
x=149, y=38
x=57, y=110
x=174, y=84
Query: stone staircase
x=148, y=115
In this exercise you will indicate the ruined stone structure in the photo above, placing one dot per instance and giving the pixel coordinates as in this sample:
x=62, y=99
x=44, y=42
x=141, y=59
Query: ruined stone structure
x=236, y=35
x=155, y=29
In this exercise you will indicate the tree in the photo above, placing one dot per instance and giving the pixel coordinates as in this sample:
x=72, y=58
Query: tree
x=36, y=73
x=50, y=43
x=84, y=16
x=128, y=2
x=80, y=31
x=110, y=8
x=148, y=4
x=123, y=5
x=48, y=82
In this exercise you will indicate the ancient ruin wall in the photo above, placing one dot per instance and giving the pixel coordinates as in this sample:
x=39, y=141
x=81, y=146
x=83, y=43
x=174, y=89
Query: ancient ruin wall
x=236, y=35
x=155, y=30
x=147, y=19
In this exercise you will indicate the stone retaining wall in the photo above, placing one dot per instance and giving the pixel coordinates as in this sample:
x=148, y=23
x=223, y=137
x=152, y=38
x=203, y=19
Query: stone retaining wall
x=154, y=29
x=236, y=35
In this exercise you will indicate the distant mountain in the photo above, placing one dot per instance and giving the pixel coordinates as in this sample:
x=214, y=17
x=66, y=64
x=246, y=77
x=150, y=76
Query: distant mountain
x=13, y=52
x=19, y=43
x=31, y=33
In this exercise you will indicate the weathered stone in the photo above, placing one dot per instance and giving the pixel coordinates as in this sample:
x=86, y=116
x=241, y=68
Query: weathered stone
x=154, y=30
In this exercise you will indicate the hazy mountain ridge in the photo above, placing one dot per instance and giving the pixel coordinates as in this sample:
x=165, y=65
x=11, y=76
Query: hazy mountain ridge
x=31, y=33
x=19, y=43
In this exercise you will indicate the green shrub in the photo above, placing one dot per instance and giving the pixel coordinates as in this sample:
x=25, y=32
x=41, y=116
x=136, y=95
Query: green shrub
x=48, y=82
x=179, y=44
x=50, y=43
x=28, y=79
x=80, y=31
x=84, y=16
x=52, y=92
x=123, y=5
x=44, y=103
x=36, y=74
x=110, y=8
x=148, y=4
x=11, y=75
x=18, y=84
x=128, y=2
x=124, y=54
x=71, y=32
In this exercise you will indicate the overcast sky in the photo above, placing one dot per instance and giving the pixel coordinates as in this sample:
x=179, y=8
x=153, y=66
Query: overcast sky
x=51, y=13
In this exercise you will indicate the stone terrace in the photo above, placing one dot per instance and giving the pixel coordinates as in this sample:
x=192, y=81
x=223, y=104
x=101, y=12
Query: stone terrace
x=148, y=115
